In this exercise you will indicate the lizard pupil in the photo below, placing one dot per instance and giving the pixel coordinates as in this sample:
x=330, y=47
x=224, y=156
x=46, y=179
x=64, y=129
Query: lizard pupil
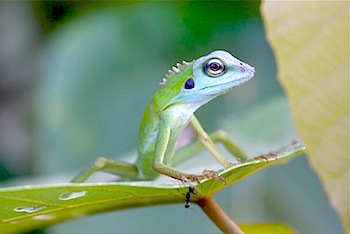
x=189, y=83
x=214, y=67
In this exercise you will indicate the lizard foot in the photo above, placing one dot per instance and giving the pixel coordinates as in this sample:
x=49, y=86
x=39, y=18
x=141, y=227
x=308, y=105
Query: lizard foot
x=269, y=157
x=213, y=174
x=206, y=174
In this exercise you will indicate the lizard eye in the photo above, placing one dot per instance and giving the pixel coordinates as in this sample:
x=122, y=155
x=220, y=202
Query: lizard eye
x=189, y=83
x=214, y=67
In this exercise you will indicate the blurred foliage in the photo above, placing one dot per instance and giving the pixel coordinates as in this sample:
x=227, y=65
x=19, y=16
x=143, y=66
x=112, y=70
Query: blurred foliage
x=317, y=83
x=97, y=65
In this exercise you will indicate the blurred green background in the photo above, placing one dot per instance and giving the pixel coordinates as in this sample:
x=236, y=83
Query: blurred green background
x=75, y=78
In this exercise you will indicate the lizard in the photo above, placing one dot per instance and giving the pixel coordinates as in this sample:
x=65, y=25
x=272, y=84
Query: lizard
x=185, y=88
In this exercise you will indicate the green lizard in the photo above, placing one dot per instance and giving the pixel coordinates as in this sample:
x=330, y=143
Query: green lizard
x=186, y=88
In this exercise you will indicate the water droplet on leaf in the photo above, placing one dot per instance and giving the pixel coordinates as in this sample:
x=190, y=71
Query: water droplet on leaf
x=29, y=209
x=72, y=195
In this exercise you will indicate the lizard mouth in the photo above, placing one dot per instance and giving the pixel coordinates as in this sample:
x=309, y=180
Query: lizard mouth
x=236, y=82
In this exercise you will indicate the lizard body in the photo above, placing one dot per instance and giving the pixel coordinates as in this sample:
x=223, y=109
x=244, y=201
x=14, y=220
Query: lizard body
x=185, y=88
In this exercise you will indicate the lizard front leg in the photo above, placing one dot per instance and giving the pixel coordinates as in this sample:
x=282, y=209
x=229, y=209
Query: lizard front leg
x=168, y=132
x=163, y=149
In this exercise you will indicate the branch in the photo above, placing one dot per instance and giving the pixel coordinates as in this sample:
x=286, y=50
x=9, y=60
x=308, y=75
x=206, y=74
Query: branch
x=218, y=216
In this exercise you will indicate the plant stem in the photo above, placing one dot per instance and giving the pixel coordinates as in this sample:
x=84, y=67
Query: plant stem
x=218, y=216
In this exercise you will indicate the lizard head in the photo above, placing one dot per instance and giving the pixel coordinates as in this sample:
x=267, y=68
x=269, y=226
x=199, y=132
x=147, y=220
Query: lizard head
x=212, y=75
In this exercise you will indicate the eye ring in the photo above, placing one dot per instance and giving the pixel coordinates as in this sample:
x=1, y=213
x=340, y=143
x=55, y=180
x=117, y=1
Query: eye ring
x=214, y=67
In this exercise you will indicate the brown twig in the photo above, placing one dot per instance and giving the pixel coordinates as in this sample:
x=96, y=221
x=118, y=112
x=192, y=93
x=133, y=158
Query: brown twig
x=218, y=216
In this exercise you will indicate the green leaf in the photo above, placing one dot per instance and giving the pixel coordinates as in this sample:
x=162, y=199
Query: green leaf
x=311, y=43
x=31, y=207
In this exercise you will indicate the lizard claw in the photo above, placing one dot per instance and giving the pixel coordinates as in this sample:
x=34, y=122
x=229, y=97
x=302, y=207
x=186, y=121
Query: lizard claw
x=213, y=174
x=206, y=174
x=185, y=179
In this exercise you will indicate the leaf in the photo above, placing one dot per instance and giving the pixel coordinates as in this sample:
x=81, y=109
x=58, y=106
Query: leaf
x=267, y=228
x=32, y=207
x=311, y=43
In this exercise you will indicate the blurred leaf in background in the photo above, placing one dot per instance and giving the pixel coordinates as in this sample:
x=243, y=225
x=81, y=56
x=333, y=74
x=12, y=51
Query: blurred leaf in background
x=19, y=39
x=317, y=82
x=97, y=66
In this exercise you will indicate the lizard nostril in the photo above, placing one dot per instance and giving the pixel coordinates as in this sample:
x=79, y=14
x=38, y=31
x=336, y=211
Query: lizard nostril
x=246, y=68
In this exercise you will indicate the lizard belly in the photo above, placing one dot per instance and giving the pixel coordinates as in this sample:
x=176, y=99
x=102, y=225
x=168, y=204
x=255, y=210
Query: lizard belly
x=176, y=118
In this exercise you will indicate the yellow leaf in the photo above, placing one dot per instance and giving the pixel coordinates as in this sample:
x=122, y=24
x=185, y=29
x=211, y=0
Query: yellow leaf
x=310, y=40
